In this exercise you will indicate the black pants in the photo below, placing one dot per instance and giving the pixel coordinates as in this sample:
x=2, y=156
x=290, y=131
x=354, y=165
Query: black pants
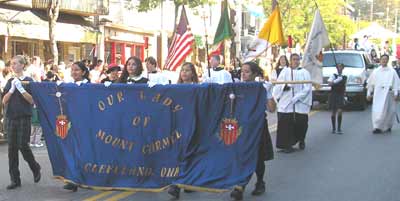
x=19, y=131
x=292, y=128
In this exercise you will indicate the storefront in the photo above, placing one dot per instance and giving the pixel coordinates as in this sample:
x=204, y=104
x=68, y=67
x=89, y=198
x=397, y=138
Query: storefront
x=27, y=34
x=122, y=42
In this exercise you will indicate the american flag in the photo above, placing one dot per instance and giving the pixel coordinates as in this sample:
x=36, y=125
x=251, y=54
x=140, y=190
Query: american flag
x=181, y=45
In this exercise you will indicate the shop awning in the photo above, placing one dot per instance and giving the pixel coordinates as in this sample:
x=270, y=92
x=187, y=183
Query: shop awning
x=33, y=25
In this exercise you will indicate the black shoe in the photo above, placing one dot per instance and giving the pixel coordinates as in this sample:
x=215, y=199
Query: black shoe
x=339, y=132
x=377, y=131
x=237, y=195
x=302, y=145
x=288, y=150
x=14, y=185
x=260, y=189
x=389, y=130
x=70, y=186
x=333, y=131
x=188, y=191
x=174, y=191
x=37, y=175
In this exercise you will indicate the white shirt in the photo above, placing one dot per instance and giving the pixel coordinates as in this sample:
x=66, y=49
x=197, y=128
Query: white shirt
x=299, y=95
x=217, y=76
x=158, y=78
x=274, y=74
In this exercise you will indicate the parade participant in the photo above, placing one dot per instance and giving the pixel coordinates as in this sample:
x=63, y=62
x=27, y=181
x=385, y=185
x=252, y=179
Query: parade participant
x=251, y=70
x=97, y=74
x=385, y=85
x=155, y=76
x=336, y=98
x=294, y=104
x=374, y=56
x=218, y=74
x=356, y=44
x=132, y=73
x=19, y=114
x=188, y=74
x=112, y=72
x=282, y=63
x=35, y=69
x=397, y=67
x=80, y=74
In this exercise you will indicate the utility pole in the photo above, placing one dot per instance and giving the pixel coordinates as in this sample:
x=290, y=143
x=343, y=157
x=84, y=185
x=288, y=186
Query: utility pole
x=371, y=17
x=395, y=21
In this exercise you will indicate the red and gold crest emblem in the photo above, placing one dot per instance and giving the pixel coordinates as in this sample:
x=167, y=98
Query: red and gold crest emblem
x=62, y=126
x=230, y=131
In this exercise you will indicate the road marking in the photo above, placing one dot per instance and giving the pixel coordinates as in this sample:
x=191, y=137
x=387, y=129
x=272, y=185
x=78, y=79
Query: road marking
x=98, y=196
x=120, y=196
x=274, y=127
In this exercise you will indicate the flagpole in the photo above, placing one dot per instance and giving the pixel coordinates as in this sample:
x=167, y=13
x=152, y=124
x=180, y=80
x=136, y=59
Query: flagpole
x=206, y=35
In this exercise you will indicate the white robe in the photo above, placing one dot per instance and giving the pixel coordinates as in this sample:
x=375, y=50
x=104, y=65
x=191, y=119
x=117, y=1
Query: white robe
x=302, y=99
x=220, y=77
x=385, y=85
x=157, y=78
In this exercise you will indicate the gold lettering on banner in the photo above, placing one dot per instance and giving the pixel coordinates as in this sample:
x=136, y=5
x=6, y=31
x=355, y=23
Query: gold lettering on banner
x=169, y=172
x=101, y=169
x=110, y=100
x=156, y=98
x=167, y=101
x=142, y=97
x=87, y=167
x=162, y=144
x=138, y=120
x=120, y=96
x=177, y=108
x=102, y=106
x=94, y=168
x=116, y=143
x=139, y=171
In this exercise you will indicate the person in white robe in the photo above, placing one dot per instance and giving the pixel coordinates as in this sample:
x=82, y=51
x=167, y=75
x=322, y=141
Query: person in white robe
x=383, y=89
x=294, y=104
x=218, y=74
x=155, y=76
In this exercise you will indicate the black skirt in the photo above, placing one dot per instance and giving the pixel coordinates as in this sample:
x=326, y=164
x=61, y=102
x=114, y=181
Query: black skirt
x=266, y=152
x=336, y=101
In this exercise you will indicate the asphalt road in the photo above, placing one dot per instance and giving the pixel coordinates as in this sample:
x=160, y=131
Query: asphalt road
x=355, y=166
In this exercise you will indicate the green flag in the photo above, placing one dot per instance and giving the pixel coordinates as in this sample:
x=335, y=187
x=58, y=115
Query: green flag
x=224, y=29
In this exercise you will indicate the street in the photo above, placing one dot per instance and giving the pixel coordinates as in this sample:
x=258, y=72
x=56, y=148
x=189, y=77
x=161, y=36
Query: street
x=354, y=166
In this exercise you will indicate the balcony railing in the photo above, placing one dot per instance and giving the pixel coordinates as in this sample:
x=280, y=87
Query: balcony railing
x=80, y=7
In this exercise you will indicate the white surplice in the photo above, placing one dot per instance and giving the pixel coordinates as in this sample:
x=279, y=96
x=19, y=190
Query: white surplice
x=299, y=95
x=385, y=85
x=220, y=76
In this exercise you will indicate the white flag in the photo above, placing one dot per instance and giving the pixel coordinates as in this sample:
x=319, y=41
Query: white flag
x=317, y=39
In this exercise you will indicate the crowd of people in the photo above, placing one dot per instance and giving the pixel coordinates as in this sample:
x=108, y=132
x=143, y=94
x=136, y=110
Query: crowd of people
x=292, y=99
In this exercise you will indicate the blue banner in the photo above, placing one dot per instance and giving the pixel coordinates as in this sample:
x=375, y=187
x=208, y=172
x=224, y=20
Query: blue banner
x=135, y=137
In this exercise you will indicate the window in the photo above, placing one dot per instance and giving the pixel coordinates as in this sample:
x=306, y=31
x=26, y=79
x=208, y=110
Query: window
x=351, y=60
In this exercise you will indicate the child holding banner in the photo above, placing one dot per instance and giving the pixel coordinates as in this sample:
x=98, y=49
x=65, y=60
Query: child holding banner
x=336, y=98
x=251, y=70
x=19, y=113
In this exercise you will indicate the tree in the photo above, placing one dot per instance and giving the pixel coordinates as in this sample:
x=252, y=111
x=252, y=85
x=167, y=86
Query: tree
x=53, y=11
x=297, y=17
x=146, y=5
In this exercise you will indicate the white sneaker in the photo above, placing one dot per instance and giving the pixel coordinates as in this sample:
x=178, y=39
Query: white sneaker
x=32, y=145
x=39, y=145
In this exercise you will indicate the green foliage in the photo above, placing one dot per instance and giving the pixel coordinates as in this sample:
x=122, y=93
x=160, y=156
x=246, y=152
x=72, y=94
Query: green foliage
x=146, y=5
x=297, y=17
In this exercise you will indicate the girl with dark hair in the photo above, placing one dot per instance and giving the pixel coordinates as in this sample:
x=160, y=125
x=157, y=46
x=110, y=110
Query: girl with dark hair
x=80, y=73
x=132, y=73
x=188, y=74
x=250, y=71
x=337, y=81
x=282, y=63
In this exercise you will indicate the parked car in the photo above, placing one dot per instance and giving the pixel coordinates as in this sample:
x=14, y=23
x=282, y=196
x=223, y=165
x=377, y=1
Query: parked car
x=358, y=67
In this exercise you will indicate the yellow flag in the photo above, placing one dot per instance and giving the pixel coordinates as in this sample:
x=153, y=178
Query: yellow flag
x=272, y=30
